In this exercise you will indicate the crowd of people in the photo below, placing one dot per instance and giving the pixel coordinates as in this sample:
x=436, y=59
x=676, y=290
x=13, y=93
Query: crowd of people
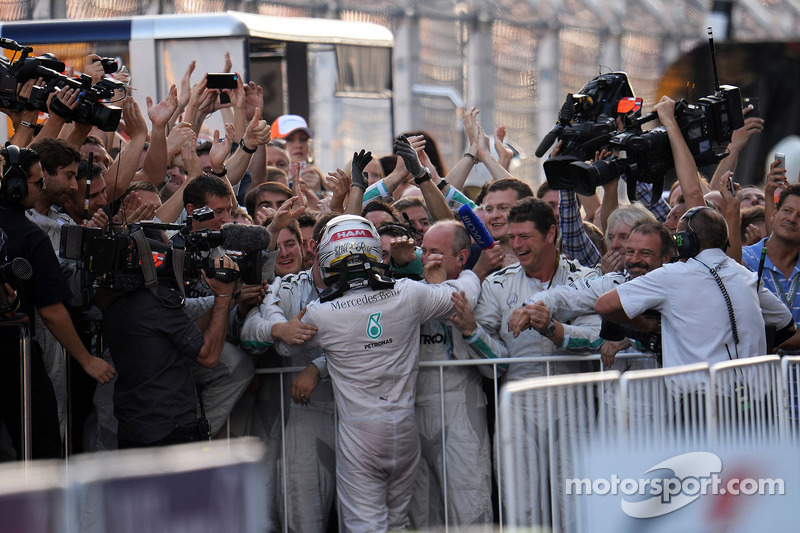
x=365, y=271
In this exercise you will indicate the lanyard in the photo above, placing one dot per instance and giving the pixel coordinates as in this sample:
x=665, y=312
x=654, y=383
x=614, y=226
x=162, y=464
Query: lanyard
x=788, y=299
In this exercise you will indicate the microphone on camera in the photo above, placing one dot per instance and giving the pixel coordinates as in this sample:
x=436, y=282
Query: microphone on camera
x=15, y=272
x=548, y=140
x=244, y=238
x=475, y=227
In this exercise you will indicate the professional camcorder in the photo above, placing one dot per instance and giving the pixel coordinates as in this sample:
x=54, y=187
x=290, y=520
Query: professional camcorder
x=646, y=155
x=584, y=117
x=90, y=109
x=127, y=259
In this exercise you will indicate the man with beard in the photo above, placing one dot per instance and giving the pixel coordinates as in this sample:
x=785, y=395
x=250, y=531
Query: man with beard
x=60, y=165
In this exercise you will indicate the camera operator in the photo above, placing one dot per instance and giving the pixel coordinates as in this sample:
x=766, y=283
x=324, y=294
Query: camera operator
x=46, y=292
x=727, y=290
x=65, y=189
x=223, y=383
x=156, y=346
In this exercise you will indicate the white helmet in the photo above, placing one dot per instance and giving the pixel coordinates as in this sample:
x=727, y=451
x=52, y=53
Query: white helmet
x=347, y=235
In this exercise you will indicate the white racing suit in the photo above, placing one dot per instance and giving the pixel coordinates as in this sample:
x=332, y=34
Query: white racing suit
x=371, y=342
x=460, y=449
x=503, y=292
x=310, y=452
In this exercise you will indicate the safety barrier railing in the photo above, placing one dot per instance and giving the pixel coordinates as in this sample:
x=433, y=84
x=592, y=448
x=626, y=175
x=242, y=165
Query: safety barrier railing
x=746, y=404
x=790, y=371
x=664, y=407
x=25, y=386
x=441, y=367
x=555, y=416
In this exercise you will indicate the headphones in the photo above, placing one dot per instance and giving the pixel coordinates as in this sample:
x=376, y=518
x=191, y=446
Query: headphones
x=687, y=242
x=15, y=179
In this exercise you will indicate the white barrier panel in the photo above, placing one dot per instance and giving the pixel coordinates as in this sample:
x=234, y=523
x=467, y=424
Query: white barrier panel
x=544, y=423
x=664, y=407
x=33, y=497
x=790, y=370
x=747, y=401
x=200, y=487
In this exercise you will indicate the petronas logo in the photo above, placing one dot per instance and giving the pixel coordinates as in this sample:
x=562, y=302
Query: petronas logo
x=374, y=329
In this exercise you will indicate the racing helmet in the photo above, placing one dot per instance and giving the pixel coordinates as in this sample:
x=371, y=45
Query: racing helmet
x=345, y=236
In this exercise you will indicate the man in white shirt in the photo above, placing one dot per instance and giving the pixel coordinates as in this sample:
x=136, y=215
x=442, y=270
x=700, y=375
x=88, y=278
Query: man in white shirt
x=711, y=309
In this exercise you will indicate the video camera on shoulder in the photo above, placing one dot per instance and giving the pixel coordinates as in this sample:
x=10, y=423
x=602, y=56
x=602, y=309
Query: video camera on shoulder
x=90, y=110
x=126, y=258
x=646, y=156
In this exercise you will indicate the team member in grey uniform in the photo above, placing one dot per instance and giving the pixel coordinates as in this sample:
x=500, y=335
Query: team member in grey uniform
x=649, y=246
x=540, y=268
x=369, y=329
x=532, y=235
x=310, y=429
x=465, y=436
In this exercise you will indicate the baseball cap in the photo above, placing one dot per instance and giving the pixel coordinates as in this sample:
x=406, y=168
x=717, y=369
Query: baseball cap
x=285, y=125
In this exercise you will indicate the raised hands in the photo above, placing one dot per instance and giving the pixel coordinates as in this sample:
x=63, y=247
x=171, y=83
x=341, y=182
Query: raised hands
x=504, y=153
x=358, y=176
x=180, y=135
x=220, y=150
x=160, y=114
x=410, y=157
x=340, y=184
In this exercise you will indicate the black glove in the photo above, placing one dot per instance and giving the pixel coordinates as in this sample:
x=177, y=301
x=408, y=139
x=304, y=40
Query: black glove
x=410, y=158
x=360, y=161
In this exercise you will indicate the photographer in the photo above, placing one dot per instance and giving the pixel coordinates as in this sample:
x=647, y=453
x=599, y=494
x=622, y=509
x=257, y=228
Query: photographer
x=224, y=382
x=156, y=346
x=45, y=292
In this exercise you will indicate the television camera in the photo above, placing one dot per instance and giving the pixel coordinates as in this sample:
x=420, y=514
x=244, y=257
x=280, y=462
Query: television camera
x=134, y=256
x=646, y=156
x=90, y=110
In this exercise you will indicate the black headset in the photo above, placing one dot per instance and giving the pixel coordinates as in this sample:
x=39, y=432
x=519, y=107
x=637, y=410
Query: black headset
x=15, y=179
x=687, y=242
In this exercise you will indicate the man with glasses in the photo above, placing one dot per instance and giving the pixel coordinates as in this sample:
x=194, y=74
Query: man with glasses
x=45, y=292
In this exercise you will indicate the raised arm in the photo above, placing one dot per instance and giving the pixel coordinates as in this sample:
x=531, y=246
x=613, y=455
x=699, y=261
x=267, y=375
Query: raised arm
x=739, y=140
x=685, y=167
x=156, y=158
x=127, y=163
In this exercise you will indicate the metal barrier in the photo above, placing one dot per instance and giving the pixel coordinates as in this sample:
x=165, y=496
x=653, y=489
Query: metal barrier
x=25, y=386
x=556, y=416
x=790, y=371
x=746, y=401
x=497, y=365
x=663, y=407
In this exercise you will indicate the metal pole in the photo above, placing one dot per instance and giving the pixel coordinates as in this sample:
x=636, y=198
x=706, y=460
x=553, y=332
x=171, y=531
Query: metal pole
x=25, y=382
